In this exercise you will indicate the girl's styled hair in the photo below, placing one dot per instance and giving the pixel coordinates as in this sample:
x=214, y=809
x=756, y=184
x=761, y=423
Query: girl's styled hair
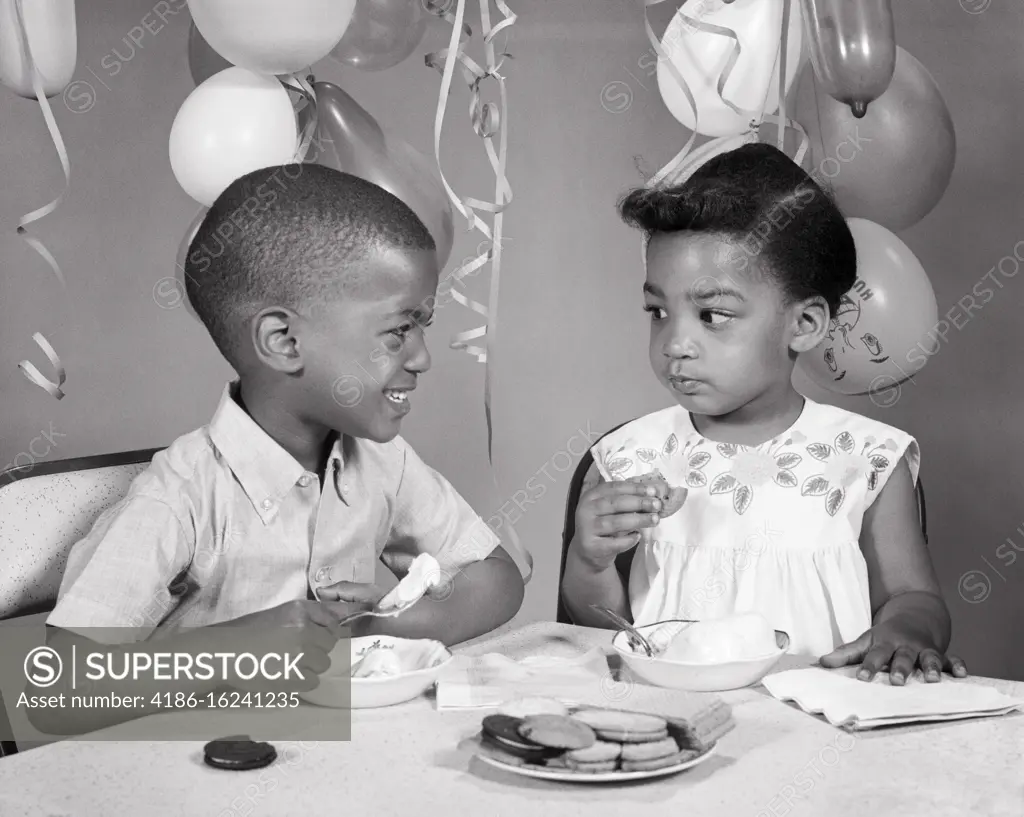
x=774, y=212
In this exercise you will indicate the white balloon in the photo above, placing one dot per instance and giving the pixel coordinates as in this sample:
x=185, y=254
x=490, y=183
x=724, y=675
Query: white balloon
x=272, y=36
x=701, y=58
x=53, y=36
x=232, y=124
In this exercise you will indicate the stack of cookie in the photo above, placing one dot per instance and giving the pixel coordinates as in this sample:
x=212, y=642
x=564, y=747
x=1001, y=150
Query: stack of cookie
x=593, y=740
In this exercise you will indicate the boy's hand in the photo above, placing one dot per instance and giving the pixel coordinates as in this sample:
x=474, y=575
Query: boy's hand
x=902, y=647
x=610, y=517
x=352, y=595
x=295, y=628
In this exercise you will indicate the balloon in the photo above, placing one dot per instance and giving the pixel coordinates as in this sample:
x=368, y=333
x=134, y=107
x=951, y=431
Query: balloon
x=203, y=61
x=232, y=124
x=272, y=36
x=53, y=37
x=382, y=33
x=179, y=266
x=880, y=334
x=893, y=165
x=701, y=57
x=349, y=139
x=852, y=48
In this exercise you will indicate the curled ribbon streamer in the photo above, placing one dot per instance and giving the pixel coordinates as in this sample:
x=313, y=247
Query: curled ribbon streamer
x=756, y=117
x=487, y=120
x=58, y=143
x=303, y=86
x=33, y=374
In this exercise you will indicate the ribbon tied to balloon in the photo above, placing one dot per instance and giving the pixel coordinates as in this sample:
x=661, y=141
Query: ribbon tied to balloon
x=723, y=74
x=38, y=55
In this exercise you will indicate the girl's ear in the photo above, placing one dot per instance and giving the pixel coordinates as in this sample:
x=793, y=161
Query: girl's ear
x=811, y=319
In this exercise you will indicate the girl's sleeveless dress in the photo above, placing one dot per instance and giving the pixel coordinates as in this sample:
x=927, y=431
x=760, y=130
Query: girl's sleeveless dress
x=772, y=529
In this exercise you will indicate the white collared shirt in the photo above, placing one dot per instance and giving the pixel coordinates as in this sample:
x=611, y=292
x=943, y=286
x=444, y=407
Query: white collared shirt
x=225, y=523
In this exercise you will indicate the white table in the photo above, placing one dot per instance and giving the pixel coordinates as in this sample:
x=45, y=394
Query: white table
x=412, y=760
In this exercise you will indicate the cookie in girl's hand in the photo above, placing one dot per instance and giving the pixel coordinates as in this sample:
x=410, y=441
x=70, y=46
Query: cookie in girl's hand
x=672, y=498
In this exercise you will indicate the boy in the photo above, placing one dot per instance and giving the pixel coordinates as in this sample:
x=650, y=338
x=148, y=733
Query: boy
x=315, y=286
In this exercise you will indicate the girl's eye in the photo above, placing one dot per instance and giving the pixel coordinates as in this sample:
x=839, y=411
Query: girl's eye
x=657, y=313
x=709, y=315
x=401, y=331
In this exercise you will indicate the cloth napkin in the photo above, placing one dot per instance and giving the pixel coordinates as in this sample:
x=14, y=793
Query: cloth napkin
x=848, y=702
x=471, y=682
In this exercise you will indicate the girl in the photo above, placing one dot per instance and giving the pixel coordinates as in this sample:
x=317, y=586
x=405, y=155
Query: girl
x=800, y=511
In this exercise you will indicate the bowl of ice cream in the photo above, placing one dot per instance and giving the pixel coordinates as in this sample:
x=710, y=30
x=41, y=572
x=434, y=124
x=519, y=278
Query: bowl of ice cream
x=711, y=655
x=380, y=671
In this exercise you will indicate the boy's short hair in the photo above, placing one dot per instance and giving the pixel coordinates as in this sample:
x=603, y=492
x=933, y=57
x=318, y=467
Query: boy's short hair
x=758, y=198
x=288, y=236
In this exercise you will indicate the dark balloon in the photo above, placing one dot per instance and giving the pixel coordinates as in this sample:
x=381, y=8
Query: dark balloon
x=349, y=139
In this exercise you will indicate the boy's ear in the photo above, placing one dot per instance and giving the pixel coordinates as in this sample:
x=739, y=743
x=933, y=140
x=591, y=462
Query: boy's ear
x=275, y=341
x=811, y=319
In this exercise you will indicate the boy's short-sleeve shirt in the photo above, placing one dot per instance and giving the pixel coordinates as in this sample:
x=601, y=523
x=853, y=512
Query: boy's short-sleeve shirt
x=225, y=523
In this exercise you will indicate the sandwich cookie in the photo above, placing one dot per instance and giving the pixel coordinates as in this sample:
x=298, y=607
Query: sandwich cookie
x=502, y=732
x=651, y=750
x=557, y=732
x=664, y=762
x=602, y=756
x=623, y=727
x=238, y=753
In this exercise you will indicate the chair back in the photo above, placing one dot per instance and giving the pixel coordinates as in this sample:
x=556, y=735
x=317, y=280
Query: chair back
x=624, y=561
x=44, y=509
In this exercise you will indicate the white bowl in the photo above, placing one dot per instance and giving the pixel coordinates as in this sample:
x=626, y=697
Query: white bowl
x=421, y=660
x=664, y=672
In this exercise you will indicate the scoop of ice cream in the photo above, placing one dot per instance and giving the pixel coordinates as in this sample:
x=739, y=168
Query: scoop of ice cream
x=377, y=664
x=715, y=641
x=672, y=497
x=424, y=574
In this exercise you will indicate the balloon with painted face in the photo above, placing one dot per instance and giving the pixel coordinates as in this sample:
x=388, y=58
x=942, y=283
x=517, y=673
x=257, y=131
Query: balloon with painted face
x=888, y=314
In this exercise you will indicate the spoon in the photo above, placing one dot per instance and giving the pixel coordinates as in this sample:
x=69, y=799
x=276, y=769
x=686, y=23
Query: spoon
x=636, y=639
x=376, y=612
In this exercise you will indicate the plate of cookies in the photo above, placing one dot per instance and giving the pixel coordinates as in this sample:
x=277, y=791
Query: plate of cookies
x=594, y=745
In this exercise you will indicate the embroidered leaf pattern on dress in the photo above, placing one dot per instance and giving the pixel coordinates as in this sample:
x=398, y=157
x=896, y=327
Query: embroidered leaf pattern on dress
x=723, y=484
x=648, y=455
x=752, y=467
x=843, y=467
x=619, y=466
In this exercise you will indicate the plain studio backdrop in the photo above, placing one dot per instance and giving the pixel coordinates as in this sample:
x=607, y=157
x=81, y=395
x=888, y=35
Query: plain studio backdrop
x=572, y=344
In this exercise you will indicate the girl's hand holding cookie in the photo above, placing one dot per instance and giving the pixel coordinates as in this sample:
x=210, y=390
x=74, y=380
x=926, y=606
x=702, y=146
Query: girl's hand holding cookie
x=610, y=516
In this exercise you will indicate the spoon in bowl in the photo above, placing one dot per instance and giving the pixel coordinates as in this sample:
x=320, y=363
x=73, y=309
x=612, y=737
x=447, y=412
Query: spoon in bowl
x=637, y=641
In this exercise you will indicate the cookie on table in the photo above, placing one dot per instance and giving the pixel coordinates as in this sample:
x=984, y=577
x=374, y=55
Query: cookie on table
x=524, y=707
x=623, y=727
x=557, y=732
x=664, y=762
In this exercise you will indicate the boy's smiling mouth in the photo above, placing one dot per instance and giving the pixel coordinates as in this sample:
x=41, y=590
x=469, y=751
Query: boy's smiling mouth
x=397, y=395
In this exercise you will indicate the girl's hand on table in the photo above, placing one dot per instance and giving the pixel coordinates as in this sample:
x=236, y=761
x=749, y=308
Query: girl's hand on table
x=900, y=646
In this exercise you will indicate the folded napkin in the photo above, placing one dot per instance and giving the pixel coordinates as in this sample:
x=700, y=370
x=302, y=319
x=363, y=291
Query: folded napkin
x=490, y=680
x=846, y=701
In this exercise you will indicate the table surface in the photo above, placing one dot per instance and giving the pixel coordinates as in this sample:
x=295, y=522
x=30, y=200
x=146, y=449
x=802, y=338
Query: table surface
x=412, y=759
